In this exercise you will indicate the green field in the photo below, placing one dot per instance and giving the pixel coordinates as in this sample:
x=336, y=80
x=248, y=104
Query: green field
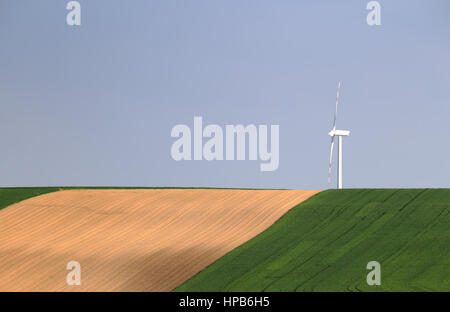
x=325, y=243
x=12, y=195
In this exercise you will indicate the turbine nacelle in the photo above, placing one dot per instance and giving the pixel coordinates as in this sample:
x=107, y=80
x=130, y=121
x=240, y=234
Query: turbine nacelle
x=333, y=133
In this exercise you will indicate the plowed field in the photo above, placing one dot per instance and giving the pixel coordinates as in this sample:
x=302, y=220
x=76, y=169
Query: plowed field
x=129, y=240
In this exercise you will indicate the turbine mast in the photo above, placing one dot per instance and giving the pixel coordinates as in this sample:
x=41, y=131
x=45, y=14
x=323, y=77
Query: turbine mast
x=339, y=177
x=337, y=133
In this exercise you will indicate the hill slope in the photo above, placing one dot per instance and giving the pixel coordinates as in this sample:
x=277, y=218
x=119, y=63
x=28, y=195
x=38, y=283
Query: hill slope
x=325, y=243
x=129, y=239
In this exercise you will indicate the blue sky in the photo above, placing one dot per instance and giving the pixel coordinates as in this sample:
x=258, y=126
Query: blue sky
x=94, y=104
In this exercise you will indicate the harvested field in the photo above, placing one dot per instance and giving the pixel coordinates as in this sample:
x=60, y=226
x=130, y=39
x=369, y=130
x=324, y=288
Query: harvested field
x=129, y=240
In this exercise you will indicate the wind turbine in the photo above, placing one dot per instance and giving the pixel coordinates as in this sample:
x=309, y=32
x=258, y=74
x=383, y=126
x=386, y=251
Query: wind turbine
x=337, y=133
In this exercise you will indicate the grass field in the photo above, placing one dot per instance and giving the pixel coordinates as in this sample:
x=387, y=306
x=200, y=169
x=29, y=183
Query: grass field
x=12, y=195
x=325, y=243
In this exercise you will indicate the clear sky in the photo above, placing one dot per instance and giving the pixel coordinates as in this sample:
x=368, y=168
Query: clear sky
x=94, y=104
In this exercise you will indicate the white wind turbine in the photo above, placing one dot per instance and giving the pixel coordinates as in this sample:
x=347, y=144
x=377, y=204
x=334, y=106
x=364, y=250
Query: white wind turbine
x=337, y=133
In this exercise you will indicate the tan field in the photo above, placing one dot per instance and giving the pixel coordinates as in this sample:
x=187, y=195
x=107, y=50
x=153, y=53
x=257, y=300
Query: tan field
x=129, y=240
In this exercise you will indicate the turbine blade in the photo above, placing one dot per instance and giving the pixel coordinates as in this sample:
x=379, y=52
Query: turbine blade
x=331, y=158
x=337, y=102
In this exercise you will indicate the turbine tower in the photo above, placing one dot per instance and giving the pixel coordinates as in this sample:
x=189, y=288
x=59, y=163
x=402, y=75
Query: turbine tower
x=337, y=133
